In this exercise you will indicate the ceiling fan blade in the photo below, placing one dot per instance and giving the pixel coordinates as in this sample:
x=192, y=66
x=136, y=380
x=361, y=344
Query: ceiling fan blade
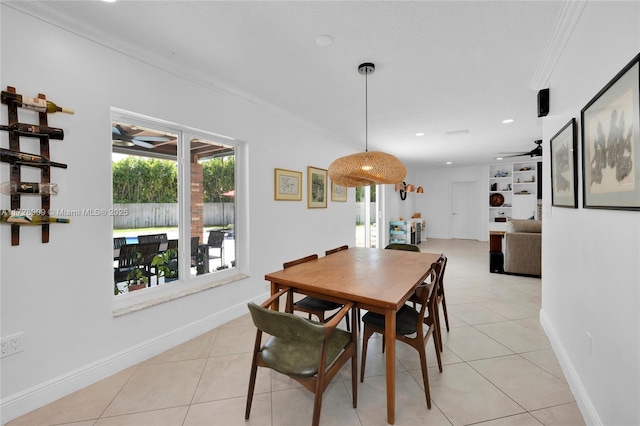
x=152, y=138
x=143, y=144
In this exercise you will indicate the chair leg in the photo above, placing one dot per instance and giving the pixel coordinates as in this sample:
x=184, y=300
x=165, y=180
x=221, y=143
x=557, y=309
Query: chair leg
x=444, y=310
x=354, y=378
x=252, y=375
x=365, y=343
x=425, y=374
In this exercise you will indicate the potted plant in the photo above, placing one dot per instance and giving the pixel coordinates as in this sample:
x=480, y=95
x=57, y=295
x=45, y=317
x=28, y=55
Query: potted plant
x=167, y=264
x=136, y=279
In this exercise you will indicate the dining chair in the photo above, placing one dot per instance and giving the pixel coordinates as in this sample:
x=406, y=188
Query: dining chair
x=314, y=305
x=309, y=352
x=410, y=326
x=401, y=246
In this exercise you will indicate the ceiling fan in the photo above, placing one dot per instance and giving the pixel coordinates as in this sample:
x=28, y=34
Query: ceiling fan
x=121, y=137
x=535, y=152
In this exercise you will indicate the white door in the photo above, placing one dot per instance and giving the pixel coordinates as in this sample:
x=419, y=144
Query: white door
x=464, y=210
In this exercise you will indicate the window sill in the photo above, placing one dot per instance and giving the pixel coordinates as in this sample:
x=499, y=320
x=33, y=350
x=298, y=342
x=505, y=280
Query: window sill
x=133, y=305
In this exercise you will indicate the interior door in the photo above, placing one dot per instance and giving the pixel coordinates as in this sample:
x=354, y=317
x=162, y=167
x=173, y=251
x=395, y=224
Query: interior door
x=464, y=210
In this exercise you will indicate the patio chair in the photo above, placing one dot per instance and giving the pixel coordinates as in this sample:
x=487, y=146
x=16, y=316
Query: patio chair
x=306, y=351
x=216, y=241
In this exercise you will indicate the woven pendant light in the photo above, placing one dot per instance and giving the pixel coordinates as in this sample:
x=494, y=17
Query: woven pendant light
x=366, y=168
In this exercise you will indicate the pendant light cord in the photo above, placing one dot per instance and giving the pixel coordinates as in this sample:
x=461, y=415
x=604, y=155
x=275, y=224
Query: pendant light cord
x=366, y=113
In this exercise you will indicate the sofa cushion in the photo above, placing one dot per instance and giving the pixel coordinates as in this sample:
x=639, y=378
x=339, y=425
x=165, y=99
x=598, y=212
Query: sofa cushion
x=524, y=225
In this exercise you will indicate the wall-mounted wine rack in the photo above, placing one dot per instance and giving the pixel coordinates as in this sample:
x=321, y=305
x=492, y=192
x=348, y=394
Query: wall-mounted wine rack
x=15, y=175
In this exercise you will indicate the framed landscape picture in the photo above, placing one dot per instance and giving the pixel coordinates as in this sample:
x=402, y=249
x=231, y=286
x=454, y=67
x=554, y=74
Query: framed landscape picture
x=611, y=143
x=338, y=192
x=564, y=171
x=287, y=185
x=316, y=188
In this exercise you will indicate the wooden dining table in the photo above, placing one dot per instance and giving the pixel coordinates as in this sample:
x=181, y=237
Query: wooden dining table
x=376, y=280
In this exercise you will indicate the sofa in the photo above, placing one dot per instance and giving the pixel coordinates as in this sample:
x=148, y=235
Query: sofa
x=523, y=247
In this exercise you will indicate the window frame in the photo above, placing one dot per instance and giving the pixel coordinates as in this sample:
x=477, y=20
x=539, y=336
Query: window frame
x=186, y=284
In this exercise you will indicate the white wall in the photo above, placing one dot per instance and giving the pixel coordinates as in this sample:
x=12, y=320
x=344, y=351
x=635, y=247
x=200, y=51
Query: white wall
x=435, y=203
x=60, y=294
x=591, y=275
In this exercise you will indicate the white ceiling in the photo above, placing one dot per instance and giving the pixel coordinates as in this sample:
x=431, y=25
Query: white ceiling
x=441, y=66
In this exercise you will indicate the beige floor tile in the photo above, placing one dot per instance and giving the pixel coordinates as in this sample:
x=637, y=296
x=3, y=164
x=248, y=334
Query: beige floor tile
x=525, y=419
x=532, y=324
x=234, y=340
x=411, y=404
x=197, y=348
x=230, y=412
x=470, y=344
x=472, y=314
x=158, y=386
x=465, y=397
x=295, y=407
x=514, y=309
x=514, y=336
x=85, y=404
x=546, y=359
x=561, y=415
x=167, y=417
x=526, y=383
x=376, y=361
x=243, y=321
x=228, y=377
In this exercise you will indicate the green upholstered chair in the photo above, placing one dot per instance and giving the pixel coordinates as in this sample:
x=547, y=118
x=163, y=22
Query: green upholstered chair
x=400, y=246
x=309, y=352
x=410, y=326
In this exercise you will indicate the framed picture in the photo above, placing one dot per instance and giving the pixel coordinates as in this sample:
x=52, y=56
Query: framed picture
x=287, y=185
x=316, y=188
x=564, y=167
x=611, y=143
x=338, y=192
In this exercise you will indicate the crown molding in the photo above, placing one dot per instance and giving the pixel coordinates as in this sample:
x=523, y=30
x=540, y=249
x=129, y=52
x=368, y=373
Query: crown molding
x=567, y=19
x=41, y=10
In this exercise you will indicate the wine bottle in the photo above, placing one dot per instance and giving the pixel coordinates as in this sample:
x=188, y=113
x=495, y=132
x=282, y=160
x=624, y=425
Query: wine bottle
x=37, y=104
x=34, y=131
x=14, y=216
x=11, y=188
x=24, y=159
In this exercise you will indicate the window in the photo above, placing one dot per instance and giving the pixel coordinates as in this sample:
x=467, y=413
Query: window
x=174, y=192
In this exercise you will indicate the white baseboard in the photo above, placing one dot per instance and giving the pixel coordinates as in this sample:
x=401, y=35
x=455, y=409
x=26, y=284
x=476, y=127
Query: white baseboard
x=42, y=394
x=585, y=405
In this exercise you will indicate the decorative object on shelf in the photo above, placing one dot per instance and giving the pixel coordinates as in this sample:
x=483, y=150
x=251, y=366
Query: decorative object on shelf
x=23, y=159
x=338, y=192
x=36, y=104
x=24, y=188
x=17, y=159
x=500, y=174
x=287, y=185
x=403, y=191
x=419, y=190
x=368, y=167
x=316, y=188
x=25, y=218
x=33, y=131
x=496, y=200
x=611, y=143
x=564, y=170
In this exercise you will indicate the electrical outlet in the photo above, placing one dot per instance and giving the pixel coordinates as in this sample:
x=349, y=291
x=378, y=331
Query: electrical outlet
x=11, y=345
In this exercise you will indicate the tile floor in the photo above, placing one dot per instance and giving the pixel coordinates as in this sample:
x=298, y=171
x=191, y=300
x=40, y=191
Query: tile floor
x=499, y=369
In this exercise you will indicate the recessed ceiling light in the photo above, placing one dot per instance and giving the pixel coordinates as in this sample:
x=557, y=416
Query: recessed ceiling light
x=420, y=134
x=448, y=162
x=499, y=158
x=508, y=120
x=324, y=40
x=109, y=1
